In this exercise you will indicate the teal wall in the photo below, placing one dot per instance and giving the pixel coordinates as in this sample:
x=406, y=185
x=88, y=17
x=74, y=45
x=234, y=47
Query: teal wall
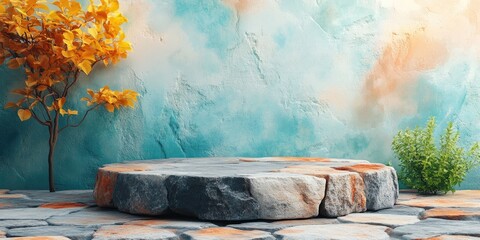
x=334, y=78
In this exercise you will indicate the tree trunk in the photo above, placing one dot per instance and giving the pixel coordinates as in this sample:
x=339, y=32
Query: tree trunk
x=53, y=130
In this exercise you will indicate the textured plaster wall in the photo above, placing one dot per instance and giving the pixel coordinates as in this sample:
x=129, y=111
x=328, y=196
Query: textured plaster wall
x=333, y=78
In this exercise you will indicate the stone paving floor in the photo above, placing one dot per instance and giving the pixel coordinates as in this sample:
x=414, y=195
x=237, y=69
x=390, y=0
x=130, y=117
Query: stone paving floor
x=74, y=215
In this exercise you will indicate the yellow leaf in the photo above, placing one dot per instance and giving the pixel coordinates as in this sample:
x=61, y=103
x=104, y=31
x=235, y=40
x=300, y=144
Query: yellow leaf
x=24, y=114
x=84, y=99
x=63, y=112
x=72, y=112
x=85, y=66
x=90, y=92
x=10, y=105
x=68, y=54
x=109, y=107
x=61, y=102
x=93, y=32
x=68, y=35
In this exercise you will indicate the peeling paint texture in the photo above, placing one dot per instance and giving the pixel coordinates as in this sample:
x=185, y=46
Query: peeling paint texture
x=328, y=78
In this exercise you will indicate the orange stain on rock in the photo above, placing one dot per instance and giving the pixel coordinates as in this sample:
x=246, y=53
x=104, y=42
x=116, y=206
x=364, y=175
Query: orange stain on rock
x=104, y=187
x=363, y=167
x=2, y=205
x=62, y=205
x=106, y=179
x=386, y=86
x=3, y=191
x=439, y=202
x=450, y=213
x=134, y=167
x=10, y=196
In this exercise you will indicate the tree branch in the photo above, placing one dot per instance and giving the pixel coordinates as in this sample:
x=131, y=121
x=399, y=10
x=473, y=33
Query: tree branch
x=81, y=121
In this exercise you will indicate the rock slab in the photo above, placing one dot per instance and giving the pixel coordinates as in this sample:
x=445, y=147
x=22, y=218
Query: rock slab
x=237, y=189
x=433, y=227
x=334, y=231
x=132, y=232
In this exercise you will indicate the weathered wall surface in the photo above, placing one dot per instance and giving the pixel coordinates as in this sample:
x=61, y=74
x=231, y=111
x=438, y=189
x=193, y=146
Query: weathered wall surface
x=332, y=78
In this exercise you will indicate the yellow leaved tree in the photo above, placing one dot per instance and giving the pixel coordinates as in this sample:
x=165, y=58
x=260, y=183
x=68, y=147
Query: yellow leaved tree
x=55, y=43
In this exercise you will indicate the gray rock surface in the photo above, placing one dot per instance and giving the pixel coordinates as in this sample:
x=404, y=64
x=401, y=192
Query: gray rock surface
x=73, y=233
x=31, y=213
x=141, y=194
x=132, y=232
x=80, y=196
x=226, y=233
x=334, y=232
x=21, y=223
x=381, y=184
x=402, y=210
x=434, y=227
x=93, y=217
x=286, y=196
x=212, y=198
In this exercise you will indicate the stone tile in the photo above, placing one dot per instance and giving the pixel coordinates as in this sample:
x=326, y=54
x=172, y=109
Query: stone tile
x=441, y=202
x=226, y=233
x=334, y=231
x=22, y=223
x=402, y=210
x=40, y=238
x=93, y=217
x=451, y=237
x=74, y=233
x=31, y=213
x=433, y=227
x=19, y=203
x=388, y=220
x=381, y=184
x=407, y=195
x=453, y=213
x=79, y=196
x=278, y=225
x=172, y=224
x=132, y=232
x=345, y=191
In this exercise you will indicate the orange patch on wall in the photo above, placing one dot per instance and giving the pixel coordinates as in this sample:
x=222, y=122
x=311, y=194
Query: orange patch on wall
x=241, y=6
x=396, y=71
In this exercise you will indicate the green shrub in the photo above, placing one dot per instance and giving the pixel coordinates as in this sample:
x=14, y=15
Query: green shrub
x=431, y=169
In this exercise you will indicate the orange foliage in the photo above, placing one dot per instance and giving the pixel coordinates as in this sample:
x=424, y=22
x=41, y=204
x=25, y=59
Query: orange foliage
x=54, y=43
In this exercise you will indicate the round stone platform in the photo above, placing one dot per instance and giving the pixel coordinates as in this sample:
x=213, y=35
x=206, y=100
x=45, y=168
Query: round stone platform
x=233, y=189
